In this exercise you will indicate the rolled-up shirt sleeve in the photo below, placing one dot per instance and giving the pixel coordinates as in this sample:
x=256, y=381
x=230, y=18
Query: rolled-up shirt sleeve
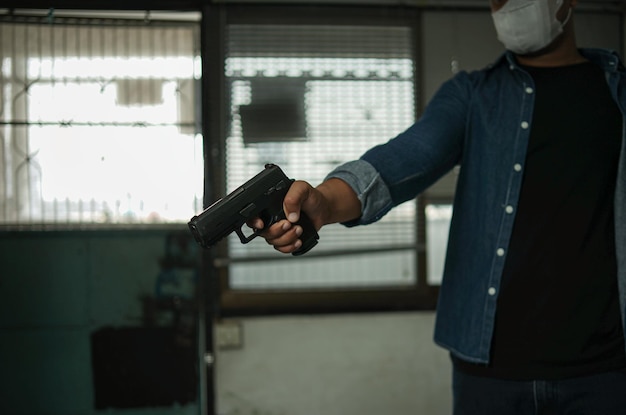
x=398, y=170
x=370, y=188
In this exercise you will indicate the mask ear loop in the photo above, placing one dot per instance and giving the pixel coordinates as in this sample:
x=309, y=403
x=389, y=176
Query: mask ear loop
x=569, y=14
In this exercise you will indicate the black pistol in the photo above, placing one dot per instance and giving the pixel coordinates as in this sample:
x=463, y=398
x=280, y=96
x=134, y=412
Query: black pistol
x=261, y=196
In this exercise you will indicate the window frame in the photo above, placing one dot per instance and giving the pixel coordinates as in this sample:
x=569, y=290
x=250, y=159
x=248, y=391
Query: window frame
x=235, y=302
x=75, y=20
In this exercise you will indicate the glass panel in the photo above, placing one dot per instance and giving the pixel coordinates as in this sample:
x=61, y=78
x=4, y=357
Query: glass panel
x=98, y=124
x=437, y=227
x=308, y=110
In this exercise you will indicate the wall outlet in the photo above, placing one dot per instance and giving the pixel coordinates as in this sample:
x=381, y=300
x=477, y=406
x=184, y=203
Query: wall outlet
x=228, y=335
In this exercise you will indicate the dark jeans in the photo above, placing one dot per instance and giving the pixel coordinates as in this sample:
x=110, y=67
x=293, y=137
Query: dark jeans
x=602, y=394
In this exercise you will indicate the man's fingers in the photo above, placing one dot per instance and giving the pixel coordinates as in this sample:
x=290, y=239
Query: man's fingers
x=287, y=249
x=256, y=223
x=284, y=236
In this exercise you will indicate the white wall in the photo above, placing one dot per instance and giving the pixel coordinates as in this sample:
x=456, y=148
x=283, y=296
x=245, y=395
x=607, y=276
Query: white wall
x=368, y=364
x=335, y=365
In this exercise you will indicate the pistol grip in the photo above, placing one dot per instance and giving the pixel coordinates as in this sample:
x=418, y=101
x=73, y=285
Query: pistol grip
x=309, y=235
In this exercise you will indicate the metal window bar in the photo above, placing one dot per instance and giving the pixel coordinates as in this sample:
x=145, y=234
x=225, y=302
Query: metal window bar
x=83, y=103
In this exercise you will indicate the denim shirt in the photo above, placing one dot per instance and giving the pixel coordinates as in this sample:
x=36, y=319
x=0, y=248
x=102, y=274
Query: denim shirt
x=480, y=121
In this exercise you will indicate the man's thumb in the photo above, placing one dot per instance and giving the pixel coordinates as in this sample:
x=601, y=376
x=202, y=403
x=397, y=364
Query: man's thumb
x=294, y=199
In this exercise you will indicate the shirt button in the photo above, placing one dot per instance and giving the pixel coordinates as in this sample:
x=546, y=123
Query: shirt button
x=525, y=125
x=500, y=252
x=508, y=209
x=491, y=291
x=529, y=90
x=517, y=167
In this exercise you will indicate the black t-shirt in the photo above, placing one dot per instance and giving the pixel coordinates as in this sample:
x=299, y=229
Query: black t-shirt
x=558, y=308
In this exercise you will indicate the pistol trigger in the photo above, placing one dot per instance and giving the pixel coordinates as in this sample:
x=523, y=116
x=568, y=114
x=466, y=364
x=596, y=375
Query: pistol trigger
x=279, y=216
x=243, y=238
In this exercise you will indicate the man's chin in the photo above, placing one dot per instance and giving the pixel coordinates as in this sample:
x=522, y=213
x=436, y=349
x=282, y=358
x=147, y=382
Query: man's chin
x=552, y=46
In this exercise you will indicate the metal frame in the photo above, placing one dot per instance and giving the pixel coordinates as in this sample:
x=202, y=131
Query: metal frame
x=241, y=303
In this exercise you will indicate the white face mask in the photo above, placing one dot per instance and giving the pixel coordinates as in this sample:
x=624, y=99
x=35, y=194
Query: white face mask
x=527, y=26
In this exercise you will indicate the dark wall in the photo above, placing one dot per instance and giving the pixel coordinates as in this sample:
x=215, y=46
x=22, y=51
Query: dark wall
x=59, y=288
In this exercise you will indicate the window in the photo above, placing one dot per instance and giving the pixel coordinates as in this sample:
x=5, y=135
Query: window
x=98, y=122
x=339, y=106
x=309, y=94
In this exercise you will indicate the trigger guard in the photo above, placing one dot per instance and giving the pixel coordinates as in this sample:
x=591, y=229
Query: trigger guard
x=245, y=239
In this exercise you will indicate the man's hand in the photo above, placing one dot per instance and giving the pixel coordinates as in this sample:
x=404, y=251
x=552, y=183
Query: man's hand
x=330, y=202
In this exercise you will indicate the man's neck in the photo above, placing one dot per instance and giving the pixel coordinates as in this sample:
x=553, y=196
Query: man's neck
x=562, y=52
x=551, y=60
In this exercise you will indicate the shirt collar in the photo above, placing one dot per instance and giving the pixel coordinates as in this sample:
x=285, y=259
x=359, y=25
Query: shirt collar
x=609, y=60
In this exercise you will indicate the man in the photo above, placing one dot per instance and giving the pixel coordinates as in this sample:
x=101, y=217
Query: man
x=533, y=296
